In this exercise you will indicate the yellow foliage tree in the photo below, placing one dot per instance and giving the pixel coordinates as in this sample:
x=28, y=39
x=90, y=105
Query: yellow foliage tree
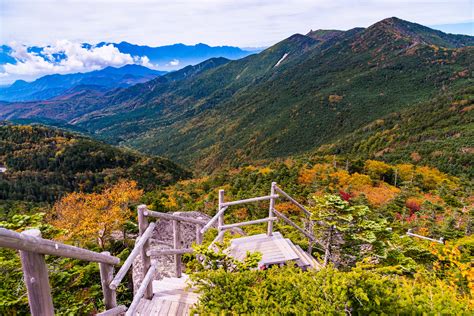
x=94, y=216
x=376, y=169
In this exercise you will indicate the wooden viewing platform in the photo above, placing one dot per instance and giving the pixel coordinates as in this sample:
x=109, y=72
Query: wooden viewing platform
x=169, y=296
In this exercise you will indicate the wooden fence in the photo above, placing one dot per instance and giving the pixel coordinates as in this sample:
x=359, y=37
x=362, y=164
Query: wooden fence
x=33, y=248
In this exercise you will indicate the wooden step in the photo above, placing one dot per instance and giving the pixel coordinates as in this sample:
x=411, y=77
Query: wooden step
x=302, y=261
x=313, y=262
x=274, y=249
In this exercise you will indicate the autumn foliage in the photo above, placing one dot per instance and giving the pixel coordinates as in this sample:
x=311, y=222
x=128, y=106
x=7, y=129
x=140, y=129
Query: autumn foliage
x=87, y=217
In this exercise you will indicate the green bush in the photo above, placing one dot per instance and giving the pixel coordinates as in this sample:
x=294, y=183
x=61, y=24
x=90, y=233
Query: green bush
x=290, y=291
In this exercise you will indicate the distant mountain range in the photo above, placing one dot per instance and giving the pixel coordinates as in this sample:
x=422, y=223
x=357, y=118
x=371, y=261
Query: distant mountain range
x=319, y=90
x=50, y=86
x=167, y=57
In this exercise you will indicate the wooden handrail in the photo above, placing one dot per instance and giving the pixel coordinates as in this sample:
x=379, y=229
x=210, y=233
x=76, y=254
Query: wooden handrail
x=212, y=220
x=292, y=200
x=291, y=223
x=173, y=217
x=257, y=221
x=128, y=263
x=119, y=310
x=255, y=199
x=14, y=240
x=219, y=236
x=141, y=291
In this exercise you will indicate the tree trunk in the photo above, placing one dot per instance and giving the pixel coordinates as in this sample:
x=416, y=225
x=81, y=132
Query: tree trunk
x=327, y=254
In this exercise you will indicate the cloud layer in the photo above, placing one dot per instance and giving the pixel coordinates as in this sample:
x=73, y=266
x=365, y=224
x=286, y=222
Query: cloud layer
x=244, y=23
x=64, y=57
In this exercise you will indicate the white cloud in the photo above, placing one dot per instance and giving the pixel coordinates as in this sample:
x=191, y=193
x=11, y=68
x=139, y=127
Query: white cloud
x=76, y=59
x=174, y=62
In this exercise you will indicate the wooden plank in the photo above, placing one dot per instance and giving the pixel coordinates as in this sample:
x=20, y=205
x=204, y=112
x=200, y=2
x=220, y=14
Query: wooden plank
x=182, y=309
x=173, y=217
x=165, y=307
x=141, y=291
x=257, y=221
x=114, y=311
x=173, y=308
x=292, y=200
x=14, y=240
x=106, y=276
x=136, y=250
x=156, y=304
x=255, y=199
x=35, y=274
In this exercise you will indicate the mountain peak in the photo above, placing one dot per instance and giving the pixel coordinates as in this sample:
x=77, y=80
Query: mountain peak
x=414, y=33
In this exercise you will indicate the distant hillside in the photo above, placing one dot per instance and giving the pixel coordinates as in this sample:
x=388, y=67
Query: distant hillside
x=438, y=133
x=42, y=164
x=291, y=98
x=51, y=86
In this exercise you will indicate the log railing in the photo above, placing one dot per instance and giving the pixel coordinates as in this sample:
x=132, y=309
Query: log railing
x=33, y=248
x=273, y=215
x=309, y=223
x=143, y=247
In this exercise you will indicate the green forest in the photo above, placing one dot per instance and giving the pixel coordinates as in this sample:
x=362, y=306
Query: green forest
x=377, y=203
x=370, y=129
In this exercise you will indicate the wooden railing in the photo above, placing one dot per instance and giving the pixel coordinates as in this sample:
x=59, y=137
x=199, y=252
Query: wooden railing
x=273, y=214
x=33, y=248
x=142, y=246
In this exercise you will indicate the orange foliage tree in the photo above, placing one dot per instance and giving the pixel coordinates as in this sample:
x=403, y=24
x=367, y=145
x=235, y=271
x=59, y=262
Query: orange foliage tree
x=94, y=216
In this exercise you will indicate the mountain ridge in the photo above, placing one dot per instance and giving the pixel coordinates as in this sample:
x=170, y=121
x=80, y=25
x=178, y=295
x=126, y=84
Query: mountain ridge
x=290, y=98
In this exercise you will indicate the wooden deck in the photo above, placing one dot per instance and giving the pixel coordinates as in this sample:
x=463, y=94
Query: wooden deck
x=275, y=250
x=172, y=297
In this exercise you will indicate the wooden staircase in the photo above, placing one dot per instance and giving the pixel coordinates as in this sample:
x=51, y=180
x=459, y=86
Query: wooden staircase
x=171, y=296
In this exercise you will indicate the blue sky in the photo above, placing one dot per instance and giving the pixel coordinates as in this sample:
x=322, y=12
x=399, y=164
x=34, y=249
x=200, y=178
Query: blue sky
x=215, y=22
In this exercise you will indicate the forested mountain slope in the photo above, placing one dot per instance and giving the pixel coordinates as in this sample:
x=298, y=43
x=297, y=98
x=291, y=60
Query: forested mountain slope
x=439, y=132
x=43, y=164
x=303, y=92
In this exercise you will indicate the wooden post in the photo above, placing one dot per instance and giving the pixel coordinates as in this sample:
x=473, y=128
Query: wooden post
x=177, y=245
x=35, y=274
x=142, y=226
x=310, y=241
x=220, y=220
x=270, y=210
x=106, y=276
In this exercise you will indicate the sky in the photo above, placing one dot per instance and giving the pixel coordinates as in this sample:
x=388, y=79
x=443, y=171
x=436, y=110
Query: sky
x=243, y=23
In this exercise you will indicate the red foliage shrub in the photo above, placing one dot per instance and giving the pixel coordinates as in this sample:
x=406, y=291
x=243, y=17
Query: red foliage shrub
x=344, y=195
